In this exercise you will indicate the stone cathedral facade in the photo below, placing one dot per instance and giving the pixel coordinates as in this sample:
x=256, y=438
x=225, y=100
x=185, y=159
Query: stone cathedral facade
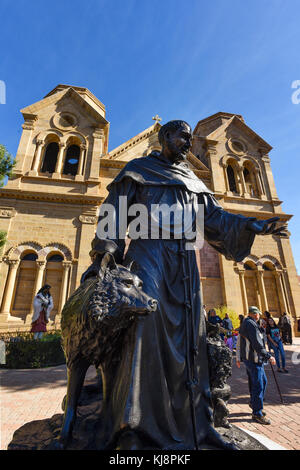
x=49, y=208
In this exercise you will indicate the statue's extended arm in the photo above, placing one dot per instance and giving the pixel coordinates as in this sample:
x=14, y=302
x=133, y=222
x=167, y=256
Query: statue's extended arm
x=233, y=234
x=268, y=227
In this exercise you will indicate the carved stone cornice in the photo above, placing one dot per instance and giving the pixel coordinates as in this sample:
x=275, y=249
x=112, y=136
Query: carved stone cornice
x=67, y=264
x=41, y=264
x=7, y=212
x=98, y=133
x=88, y=219
x=43, y=196
x=28, y=124
x=13, y=263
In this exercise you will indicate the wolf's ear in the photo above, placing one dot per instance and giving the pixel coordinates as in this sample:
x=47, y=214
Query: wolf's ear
x=131, y=265
x=108, y=262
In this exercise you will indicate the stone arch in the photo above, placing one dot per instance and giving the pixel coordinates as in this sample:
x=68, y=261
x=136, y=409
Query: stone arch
x=54, y=271
x=50, y=153
x=271, y=266
x=229, y=156
x=231, y=164
x=59, y=248
x=255, y=179
x=249, y=264
x=74, y=136
x=16, y=252
x=254, y=259
x=250, y=170
x=25, y=277
x=271, y=259
x=251, y=160
x=47, y=133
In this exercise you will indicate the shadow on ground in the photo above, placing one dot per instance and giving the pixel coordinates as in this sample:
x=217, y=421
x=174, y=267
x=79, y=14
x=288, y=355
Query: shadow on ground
x=289, y=384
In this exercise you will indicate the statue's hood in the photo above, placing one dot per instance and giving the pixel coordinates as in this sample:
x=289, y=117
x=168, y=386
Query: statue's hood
x=155, y=170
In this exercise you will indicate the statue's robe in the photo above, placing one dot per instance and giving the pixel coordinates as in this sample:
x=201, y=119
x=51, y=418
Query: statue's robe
x=147, y=389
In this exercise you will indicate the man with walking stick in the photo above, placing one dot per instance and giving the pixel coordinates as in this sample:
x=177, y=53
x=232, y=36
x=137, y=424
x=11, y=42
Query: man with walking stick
x=253, y=353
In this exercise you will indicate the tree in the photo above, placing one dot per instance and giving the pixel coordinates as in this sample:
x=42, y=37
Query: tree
x=223, y=309
x=7, y=164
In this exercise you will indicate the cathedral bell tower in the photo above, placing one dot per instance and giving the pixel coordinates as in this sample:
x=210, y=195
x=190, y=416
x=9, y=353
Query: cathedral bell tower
x=49, y=207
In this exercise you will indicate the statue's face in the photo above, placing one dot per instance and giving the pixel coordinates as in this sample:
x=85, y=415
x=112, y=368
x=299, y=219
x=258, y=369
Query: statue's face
x=178, y=143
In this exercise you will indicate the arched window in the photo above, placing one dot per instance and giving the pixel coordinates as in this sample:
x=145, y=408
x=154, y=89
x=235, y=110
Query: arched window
x=231, y=179
x=29, y=257
x=250, y=181
x=24, y=286
x=268, y=267
x=248, y=267
x=71, y=160
x=251, y=283
x=272, y=293
x=55, y=258
x=50, y=158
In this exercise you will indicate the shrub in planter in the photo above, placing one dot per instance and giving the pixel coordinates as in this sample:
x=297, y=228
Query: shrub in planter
x=24, y=352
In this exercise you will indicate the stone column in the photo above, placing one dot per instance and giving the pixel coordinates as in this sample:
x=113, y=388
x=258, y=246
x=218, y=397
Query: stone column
x=258, y=182
x=98, y=137
x=37, y=285
x=87, y=232
x=24, y=144
x=9, y=290
x=243, y=288
x=79, y=176
x=226, y=177
x=64, y=286
x=58, y=168
x=37, y=158
x=280, y=291
x=270, y=179
x=262, y=290
x=242, y=180
x=285, y=291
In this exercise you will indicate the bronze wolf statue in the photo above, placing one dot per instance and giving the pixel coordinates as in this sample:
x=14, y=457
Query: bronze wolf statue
x=94, y=320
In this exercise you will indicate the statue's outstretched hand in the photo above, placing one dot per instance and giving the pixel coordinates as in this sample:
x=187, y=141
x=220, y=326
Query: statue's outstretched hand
x=268, y=227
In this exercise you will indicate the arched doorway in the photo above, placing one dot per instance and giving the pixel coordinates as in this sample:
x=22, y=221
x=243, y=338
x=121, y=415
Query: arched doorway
x=24, y=285
x=271, y=289
x=251, y=284
x=53, y=277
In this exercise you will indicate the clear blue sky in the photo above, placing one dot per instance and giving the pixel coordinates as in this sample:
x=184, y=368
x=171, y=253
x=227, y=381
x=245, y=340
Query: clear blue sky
x=180, y=59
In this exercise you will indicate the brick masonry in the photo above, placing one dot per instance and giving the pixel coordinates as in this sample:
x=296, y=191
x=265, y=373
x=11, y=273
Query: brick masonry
x=29, y=395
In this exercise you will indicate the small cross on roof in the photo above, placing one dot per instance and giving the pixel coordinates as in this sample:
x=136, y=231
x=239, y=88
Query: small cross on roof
x=156, y=118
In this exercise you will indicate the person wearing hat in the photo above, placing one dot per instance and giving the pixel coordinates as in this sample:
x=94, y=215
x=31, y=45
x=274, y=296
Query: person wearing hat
x=42, y=304
x=253, y=353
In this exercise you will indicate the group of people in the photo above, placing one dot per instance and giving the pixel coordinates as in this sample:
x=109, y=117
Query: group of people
x=249, y=340
x=275, y=336
x=255, y=332
x=230, y=337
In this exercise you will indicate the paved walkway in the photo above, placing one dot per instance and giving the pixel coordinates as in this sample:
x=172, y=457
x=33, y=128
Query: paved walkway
x=285, y=419
x=28, y=395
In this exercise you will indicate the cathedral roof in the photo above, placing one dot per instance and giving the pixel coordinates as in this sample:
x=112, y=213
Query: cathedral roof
x=216, y=124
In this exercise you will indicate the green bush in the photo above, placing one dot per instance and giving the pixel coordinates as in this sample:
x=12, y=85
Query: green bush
x=223, y=309
x=24, y=352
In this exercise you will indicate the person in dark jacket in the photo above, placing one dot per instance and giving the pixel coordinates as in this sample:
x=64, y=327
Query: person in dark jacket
x=227, y=323
x=253, y=353
x=286, y=328
x=213, y=318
